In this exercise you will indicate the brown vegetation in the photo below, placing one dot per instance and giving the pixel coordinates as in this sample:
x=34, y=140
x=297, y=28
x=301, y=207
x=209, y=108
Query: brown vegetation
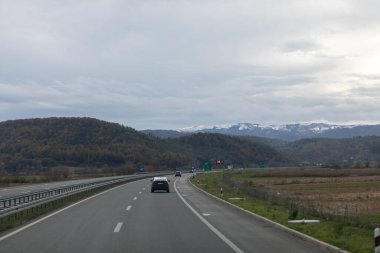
x=350, y=193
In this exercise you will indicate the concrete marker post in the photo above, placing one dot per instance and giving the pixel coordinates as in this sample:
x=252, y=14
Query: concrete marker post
x=377, y=240
x=221, y=191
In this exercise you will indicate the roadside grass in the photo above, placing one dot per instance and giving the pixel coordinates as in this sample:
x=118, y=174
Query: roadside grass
x=329, y=186
x=346, y=236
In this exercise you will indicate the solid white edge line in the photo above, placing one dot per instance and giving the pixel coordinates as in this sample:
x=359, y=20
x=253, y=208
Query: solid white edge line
x=293, y=232
x=118, y=227
x=213, y=229
x=57, y=212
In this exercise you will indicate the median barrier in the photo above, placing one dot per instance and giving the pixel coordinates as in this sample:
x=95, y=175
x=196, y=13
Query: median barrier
x=25, y=211
x=21, y=202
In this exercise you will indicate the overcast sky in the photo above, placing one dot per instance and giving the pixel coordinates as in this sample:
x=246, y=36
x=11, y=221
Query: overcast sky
x=153, y=64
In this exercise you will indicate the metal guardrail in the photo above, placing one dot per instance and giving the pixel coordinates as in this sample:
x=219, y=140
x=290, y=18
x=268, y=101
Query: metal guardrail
x=23, y=201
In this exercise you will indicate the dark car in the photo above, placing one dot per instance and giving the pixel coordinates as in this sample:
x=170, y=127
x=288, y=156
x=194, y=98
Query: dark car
x=160, y=184
x=178, y=174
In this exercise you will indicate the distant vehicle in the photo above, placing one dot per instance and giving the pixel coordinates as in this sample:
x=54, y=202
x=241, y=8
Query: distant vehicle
x=160, y=184
x=178, y=174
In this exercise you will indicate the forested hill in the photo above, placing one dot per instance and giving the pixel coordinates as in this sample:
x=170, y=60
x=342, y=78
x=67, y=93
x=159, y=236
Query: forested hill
x=67, y=131
x=40, y=144
x=357, y=151
x=234, y=149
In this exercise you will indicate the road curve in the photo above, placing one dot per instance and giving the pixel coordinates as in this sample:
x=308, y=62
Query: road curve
x=130, y=218
x=247, y=232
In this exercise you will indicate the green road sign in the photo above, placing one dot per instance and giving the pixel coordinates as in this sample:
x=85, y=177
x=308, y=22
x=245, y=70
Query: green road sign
x=261, y=164
x=207, y=166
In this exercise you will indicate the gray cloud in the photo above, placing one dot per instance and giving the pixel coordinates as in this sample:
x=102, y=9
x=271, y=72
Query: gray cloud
x=300, y=46
x=169, y=64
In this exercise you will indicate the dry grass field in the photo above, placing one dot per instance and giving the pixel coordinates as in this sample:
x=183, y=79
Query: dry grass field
x=346, y=201
x=344, y=192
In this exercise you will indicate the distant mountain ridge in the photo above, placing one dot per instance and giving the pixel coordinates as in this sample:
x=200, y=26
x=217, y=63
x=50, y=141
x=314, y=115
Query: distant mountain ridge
x=43, y=145
x=39, y=145
x=290, y=132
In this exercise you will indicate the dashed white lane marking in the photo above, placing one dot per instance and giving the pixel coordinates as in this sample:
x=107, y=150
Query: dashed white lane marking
x=118, y=227
x=129, y=208
x=139, y=192
x=213, y=229
x=25, y=192
x=206, y=214
x=184, y=195
x=143, y=189
x=57, y=212
x=135, y=198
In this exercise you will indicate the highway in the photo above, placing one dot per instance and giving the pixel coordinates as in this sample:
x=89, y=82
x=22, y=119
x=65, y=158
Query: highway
x=18, y=190
x=129, y=218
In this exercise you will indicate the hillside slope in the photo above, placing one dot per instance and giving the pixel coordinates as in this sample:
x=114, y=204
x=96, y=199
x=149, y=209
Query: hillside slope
x=357, y=151
x=43, y=143
x=40, y=144
x=236, y=150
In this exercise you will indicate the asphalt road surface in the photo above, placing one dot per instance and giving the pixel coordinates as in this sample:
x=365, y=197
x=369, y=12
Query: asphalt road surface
x=130, y=218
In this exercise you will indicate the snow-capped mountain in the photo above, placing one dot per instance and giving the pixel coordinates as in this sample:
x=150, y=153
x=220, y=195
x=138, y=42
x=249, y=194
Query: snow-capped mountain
x=288, y=131
x=285, y=132
x=304, y=127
